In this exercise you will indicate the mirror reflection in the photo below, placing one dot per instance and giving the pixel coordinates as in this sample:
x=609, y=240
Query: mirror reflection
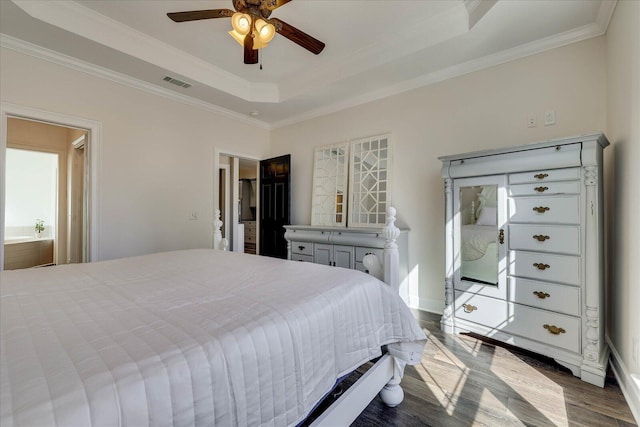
x=329, y=185
x=479, y=237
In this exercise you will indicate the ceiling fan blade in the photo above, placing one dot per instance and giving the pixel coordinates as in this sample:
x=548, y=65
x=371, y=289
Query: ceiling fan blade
x=297, y=36
x=196, y=15
x=250, y=54
x=273, y=4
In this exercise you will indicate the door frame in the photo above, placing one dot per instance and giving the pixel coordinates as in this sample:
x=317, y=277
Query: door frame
x=216, y=185
x=227, y=197
x=92, y=175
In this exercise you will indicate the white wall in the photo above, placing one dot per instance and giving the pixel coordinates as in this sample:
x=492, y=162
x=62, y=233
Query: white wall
x=156, y=161
x=486, y=109
x=622, y=195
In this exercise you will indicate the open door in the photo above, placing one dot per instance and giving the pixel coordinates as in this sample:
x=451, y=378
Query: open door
x=275, y=206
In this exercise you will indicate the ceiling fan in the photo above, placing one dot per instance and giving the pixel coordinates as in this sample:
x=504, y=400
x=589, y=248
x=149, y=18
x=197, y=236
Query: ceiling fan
x=252, y=27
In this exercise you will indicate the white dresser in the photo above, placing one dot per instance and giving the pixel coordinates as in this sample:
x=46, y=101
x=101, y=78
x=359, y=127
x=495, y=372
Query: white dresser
x=341, y=246
x=524, y=249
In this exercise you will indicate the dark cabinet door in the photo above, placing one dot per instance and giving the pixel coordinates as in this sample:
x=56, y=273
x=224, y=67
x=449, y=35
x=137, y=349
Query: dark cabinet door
x=275, y=210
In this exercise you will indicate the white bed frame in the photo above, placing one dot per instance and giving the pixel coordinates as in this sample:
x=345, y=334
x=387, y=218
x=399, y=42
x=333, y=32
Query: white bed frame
x=385, y=375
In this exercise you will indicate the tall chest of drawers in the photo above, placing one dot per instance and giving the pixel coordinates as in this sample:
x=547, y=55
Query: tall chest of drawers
x=524, y=249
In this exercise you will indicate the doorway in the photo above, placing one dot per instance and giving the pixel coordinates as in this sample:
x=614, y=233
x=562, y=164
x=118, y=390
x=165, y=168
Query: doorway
x=45, y=203
x=238, y=200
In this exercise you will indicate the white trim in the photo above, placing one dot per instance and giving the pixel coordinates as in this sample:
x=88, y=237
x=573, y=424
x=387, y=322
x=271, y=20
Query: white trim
x=87, y=23
x=585, y=32
x=426, y=304
x=528, y=49
x=216, y=185
x=58, y=58
x=629, y=383
x=605, y=13
x=95, y=137
x=227, y=196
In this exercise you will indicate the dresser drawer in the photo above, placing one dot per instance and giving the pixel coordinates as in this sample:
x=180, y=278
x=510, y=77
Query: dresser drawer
x=549, y=296
x=554, y=209
x=539, y=325
x=301, y=257
x=545, y=176
x=547, y=267
x=479, y=309
x=362, y=251
x=535, y=189
x=563, y=239
x=303, y=248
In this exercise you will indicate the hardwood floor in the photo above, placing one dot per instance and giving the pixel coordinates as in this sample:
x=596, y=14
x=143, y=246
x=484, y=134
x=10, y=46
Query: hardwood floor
x=464, y=381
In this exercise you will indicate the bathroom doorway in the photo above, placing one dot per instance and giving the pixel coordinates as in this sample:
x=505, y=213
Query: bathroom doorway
x=237, y=198
x=45, y=209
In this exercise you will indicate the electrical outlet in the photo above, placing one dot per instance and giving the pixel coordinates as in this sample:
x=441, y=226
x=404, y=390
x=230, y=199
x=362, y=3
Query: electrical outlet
x=532, y=121
x=636, y=350
x=549, y=118
x=193, y=216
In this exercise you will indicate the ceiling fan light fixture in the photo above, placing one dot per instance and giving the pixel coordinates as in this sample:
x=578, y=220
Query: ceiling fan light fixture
x=237, y=37
x=241, y=23
x=265, y=31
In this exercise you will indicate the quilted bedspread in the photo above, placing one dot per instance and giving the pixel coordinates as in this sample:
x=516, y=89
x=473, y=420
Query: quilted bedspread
x=195, y=337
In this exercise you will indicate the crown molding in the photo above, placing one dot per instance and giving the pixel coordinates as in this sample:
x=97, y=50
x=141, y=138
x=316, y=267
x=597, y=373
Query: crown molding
x=538, y=46
x=58, y=58
x=605, y=12
x=87, y=23
x=447, y=24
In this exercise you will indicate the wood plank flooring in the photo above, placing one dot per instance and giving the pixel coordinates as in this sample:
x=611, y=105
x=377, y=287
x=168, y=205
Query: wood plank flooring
x=465, y=381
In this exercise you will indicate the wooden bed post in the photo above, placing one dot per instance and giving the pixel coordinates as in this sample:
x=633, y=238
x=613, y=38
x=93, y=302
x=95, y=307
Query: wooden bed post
x=392, y=394
x=384, y=376
x=391, y=255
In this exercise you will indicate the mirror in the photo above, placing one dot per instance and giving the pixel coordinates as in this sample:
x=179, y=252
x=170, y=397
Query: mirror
x=479, y=234
x=369, y=181
x=328, y=203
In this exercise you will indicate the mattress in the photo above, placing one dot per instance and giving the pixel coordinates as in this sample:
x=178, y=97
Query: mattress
x=195, y=337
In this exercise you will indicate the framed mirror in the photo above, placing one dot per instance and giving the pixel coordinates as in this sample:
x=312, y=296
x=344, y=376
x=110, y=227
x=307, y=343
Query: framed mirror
x=369, y=181
x=479, y=234
x=329, y=199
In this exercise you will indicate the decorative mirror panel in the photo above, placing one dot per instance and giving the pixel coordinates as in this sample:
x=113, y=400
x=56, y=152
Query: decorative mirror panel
x=370, y=173
x=328, y=203
x=479, y=234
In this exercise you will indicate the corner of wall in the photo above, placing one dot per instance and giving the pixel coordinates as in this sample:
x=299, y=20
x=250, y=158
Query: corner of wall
x=629, y=383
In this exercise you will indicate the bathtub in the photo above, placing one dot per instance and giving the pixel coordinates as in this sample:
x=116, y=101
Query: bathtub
x=19, y=239
x=27, y=251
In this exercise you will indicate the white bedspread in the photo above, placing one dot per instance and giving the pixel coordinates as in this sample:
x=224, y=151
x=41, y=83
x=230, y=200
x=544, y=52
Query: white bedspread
x=475, y=239
x=187, y=338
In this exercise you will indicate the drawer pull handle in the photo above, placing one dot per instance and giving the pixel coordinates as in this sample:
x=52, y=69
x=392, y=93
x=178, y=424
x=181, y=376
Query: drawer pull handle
x=541, y=266
x=301, y=248
x=501, y=236
x=541, y=175
x=541, y=295
x=541, y=189
x=541, y=237
x=553, y=329
x=541, y=209
x=468, y=308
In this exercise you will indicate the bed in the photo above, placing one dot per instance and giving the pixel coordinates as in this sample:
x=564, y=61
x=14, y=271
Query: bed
x=198, y=337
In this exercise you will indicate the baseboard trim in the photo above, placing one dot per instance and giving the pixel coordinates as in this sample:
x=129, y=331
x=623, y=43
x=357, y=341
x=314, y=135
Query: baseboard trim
x=426, y=304
x=629, y=383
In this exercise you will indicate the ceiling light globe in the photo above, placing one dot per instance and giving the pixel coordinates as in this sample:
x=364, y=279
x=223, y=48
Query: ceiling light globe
x=266, y=31
x=241, y=22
